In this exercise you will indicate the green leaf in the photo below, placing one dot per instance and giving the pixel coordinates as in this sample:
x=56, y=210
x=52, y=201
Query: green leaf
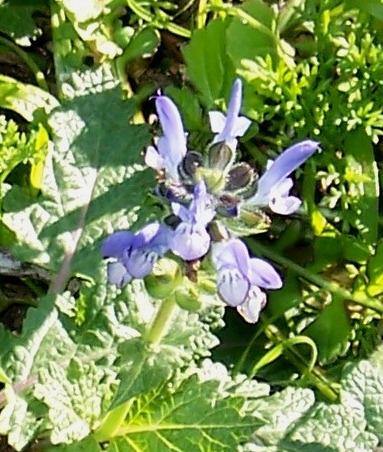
x=90, y=175
x=330, y=330
x=42, y=341
x=86, y=445
x=362, y=176
x=194, y=417
x=373, y=7
x=375, y=271
x=335, y=426
x=76, y=397
x=363, y=391
x=25, y=99
x=252, y=38
x=142, y=44
x=15, y=147
x=207, y=63
x=189, y=337
x=16, y=19
x=278, y=413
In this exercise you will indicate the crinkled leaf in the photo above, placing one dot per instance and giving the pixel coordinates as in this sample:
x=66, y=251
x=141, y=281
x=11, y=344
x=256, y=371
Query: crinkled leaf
x=43, y=340
x=335, y=426
x=189, y=337
x=278, y=413
x=363, y=392
x=76, y=397
x=90, y=175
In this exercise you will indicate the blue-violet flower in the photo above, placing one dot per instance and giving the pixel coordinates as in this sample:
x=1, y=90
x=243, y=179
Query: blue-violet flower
x=274, y=185
x=134, y=254
x=171, y=147
x=191, y=240
x=241, y=277
x=232, y=125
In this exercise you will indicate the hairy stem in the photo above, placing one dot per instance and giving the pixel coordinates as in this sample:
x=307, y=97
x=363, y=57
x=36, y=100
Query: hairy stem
x=161, y=322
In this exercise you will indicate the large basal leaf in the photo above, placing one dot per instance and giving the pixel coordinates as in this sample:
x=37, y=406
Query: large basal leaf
x=76, y=397
x=43, y=340
x=291, y=420
x=194, y=418
x=93, y=181
x=363, y=391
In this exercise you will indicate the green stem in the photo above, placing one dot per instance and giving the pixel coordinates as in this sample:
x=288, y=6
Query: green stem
x=331, y=287
x=112, y=423
x=161, y=322
x=202, y=14
x=39, y=75
x=314, y=376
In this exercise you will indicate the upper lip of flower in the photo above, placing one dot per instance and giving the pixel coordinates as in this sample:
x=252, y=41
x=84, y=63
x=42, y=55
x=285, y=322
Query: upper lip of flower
x=232, y=125
x=171, y=146
x=274, y=184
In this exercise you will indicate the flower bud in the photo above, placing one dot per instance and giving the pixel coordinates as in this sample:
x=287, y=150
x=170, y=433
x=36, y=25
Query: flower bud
x=164, y=279
x=187, y=297
x=221, y=156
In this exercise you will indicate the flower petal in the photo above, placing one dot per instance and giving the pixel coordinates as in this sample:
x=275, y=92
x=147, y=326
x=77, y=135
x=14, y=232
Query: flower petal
x=172, y=145
x=117, y=274
x=234, y=125
x=201, y=206
x=285, y=205
x=153, y=159
x=217, y=121
x=262, y=274
x=232, y=286
x=190, y=241
x=143, y=237
x=116, y=244
x=139, y=263
x=285, y=164
x=231, y=253
x=252, y=306
x=171, y=123
x=160, y=242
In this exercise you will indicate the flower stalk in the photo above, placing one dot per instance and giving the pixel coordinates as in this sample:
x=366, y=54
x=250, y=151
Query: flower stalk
x=161, y=321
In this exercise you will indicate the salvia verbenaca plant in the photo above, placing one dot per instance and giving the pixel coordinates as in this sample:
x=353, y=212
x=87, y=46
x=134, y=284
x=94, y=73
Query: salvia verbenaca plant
x=202, y=192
